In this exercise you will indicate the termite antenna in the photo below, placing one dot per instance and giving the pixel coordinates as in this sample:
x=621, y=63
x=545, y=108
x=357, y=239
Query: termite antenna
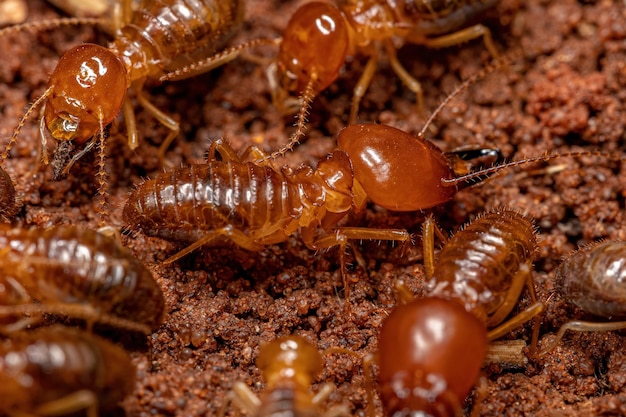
x=477, y=176
x=22, y=122
x=301, y=120
x=216, y=60
x=103, y=213
x=51, y=24
x=491, y=67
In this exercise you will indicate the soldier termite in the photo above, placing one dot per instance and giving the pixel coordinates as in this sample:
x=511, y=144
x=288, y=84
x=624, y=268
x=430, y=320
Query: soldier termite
x=89, y=85
x=431, y=348
x=77, y=273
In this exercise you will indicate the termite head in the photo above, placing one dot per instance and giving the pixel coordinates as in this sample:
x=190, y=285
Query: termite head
x=397, y=171
x=290, y=357
x=430, y=352
x=313, y=50
x=85, y=92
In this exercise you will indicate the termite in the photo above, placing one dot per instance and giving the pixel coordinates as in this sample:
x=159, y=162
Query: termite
x=77, y=273
x=593, y=279
x=248, y=202
x=289, y=365
x=234, y=200
x=54, y=371
x=8, y=199
x=89, y=85
x=431, y=349
x=320, y=36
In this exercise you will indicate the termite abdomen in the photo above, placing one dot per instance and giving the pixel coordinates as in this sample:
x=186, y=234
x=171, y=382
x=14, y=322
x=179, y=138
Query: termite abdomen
x=184, y=204
x=59, y=370
x=594, y=279
x=8, y=199
x=77, y=273
x=479, y=265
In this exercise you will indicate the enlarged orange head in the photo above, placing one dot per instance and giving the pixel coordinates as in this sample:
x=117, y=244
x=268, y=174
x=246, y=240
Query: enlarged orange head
x=85, y=92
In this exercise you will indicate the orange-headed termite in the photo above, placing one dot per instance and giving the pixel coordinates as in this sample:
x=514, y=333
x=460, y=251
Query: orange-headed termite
x=320, y=36
x=289, y=366
x=89, y=85
x=431, y=349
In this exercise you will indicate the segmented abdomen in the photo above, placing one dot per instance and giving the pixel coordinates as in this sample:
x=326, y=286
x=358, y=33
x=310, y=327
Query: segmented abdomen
x=477, y=265
x=183, y=204
x=594, y=279
x=287, y=401
x=51, y=363
x=70, y=265
x=438, y=17
x=8, y=203
x=182, y=31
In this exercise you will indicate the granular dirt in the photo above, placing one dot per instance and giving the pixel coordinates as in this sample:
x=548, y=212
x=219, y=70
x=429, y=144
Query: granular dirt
x=565, y=92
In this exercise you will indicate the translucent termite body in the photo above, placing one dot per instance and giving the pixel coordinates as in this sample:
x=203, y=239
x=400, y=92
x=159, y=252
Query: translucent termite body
x=88, y=87
x=431, y=349
x=76, y=273
x=594, y=279
x=289, y=365
x=249, y=204
x=57, y=370
x=320, y=36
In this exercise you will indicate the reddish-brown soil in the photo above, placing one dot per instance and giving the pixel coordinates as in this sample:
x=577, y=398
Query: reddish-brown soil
x=566, y=92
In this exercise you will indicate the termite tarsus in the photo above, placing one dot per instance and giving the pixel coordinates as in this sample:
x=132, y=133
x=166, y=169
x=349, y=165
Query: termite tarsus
x=594, y=279
x=431, y=349
x=88, y=87
x=76, y=273
x=8, y=199
x=54, y=371
x=289, y=365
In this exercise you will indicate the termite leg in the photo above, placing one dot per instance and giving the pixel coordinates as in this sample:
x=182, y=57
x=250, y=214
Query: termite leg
x=77, y=311
x=405, y=77
x=216, y=60
x=163, y=118
x=245, y=399
x=340, y=238
x=363, y=84
x=429, y=230
x=224, y=150
x=77, y=401
x=367, y=362
x=461, y=36
x=131, y=124
x=579, y=326
x=521, y=278
x=234, y=235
